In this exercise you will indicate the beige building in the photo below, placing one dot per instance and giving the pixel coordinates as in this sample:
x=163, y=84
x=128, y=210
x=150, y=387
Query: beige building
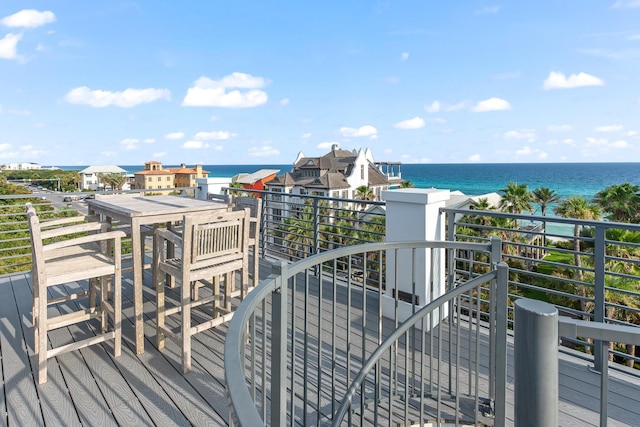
x=186, y=177
x=155, y=177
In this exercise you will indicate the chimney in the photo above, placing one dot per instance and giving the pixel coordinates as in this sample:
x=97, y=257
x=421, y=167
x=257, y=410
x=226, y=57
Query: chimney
x=199, y=170
x=182, y=165
x=334, y=147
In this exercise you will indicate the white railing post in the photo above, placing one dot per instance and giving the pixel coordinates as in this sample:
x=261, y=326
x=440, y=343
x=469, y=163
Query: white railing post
x=535, y=363
x=413, y=214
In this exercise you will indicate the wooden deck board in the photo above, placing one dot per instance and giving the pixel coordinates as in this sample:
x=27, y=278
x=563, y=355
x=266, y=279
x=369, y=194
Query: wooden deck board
x=90, y=387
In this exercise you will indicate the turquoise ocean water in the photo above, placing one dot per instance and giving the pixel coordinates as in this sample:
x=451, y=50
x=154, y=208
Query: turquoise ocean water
x=566, y=179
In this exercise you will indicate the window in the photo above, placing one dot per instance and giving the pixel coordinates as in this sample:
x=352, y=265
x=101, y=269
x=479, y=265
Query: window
x=150, y=179
x=159, y=178
x=361, y=171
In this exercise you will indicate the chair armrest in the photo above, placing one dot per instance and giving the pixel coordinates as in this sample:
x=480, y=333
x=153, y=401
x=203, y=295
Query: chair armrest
x=110, y=235
x=168, y=235
x=73, y=229
x=68, y=220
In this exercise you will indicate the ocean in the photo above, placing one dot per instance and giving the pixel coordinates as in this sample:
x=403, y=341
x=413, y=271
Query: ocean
x=566, y=179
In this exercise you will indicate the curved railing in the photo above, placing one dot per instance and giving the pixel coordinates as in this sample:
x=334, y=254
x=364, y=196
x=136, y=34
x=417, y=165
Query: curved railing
x=422, y=319
x=299, y=340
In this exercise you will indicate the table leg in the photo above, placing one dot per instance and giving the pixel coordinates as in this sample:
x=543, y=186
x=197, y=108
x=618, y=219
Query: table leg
x=137, y=285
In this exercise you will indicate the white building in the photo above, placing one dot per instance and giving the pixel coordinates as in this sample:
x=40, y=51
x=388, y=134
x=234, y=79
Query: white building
x=89, y=176
x=20, y=166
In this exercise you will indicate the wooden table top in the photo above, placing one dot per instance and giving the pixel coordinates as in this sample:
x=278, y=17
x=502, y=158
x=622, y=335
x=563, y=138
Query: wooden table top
x=139, y=206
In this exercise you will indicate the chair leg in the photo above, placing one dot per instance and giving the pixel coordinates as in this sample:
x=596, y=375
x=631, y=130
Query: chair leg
x=256, y=261
x=117, y=313
x=42, y=336
x=186, y=324
x=104, y=296
x=158, y=282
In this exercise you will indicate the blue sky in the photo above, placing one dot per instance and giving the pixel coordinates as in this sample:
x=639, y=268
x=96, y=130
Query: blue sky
x=256, y=82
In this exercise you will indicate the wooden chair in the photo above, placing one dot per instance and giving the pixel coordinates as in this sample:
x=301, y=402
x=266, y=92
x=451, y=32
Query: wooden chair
x=254, y=205
x=224, y=198
x=210, y=245
x=145, y=231
x=63, y=253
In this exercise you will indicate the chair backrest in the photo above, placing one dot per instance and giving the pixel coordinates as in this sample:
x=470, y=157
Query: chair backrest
x=55, y=228
x=37, y=267
x=218, y=236
x=224, y=198
x=254, y=205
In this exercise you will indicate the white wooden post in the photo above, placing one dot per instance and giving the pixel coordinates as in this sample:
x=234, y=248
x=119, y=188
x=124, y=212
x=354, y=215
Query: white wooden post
x=413, y=215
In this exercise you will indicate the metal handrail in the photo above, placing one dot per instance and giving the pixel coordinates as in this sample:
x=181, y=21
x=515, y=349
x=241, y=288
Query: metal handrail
x=499, y=275
x=243, y=410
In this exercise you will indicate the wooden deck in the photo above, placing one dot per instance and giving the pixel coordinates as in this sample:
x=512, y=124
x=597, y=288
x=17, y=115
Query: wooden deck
x=90, y=387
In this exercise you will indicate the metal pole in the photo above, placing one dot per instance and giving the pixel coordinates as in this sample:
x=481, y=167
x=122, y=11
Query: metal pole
x=279, y=346
x=600, y=350
x=536, y=363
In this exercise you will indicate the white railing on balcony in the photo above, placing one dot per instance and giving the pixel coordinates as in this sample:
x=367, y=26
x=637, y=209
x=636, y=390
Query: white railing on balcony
x=297, y=342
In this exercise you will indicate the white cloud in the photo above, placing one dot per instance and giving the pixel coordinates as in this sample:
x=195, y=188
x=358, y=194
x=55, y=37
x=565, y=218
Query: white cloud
x=569, y=141
x=5, y=146
x=149, y=140
x=404, y=56
x=474, y=158
x=387, y=151
x=174, y=135
x=327, y=145
x=557, y=80
x=130, y=143
x=528, y=134
x=28, y=18
x=437, y=106
x=217, y=135
x=284, y=101
x=524, y=151
x=206, y=92
x=264, y=151
x=392, y=79
x=159, y=154
x=194, y=145
x=631, y=133
x=125, y=99
x=108, y=153
x=609, y=128
x=414, y=123
x=619, y=144
x=437, y=120
x=306, y=135
x=9, y=45
x=488, y=10
x=626, y=4
x=433, y=108
x=559, y=128
x=360, y=132
x=491, y=104
x=605, y=144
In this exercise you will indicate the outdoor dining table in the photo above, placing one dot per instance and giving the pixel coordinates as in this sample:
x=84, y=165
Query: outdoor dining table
x=139, y=211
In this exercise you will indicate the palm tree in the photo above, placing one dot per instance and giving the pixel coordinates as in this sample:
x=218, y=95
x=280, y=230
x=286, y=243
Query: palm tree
x=579, y=208
x=406, y=184
x=482, y=204
x=364, y=192
x=116, y=180
x=621, y=202
x=516, y=198
x=545, y=197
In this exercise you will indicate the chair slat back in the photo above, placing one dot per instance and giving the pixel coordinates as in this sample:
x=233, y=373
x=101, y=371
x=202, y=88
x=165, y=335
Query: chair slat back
x=222, y=235
x=254, y=205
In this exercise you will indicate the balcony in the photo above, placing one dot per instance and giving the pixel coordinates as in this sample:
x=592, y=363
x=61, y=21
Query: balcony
x=344, y=287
